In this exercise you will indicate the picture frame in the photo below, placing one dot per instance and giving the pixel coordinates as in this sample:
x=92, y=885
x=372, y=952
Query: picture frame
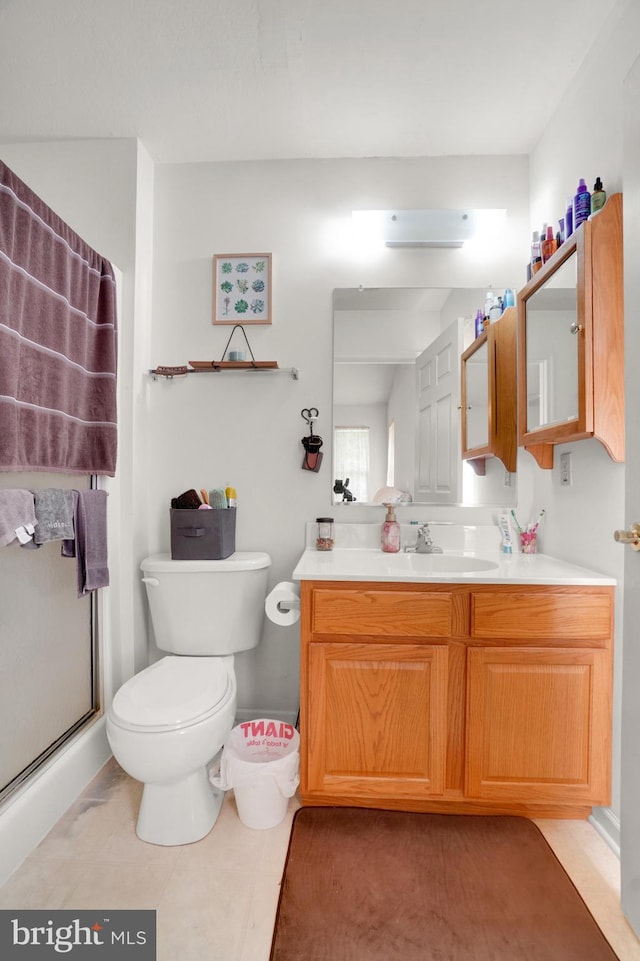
x=242, y=289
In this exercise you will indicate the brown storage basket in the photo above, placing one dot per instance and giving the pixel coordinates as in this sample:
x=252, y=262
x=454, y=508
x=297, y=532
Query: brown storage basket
x=203, y=535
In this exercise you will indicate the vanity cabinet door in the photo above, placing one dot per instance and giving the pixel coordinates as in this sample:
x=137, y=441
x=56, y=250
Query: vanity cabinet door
x=538, y=723
x=376, y=721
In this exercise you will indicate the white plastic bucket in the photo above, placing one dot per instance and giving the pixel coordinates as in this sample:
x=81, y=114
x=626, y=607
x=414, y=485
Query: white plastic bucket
x=260, y=761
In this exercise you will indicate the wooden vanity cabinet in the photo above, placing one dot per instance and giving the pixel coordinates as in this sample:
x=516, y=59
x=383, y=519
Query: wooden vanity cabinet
x=456, y=698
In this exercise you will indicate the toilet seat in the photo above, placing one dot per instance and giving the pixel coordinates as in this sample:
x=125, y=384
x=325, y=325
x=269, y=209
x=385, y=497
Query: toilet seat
x=173, y=693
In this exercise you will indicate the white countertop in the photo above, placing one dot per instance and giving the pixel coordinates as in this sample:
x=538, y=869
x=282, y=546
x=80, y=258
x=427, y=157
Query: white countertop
x=366, y=564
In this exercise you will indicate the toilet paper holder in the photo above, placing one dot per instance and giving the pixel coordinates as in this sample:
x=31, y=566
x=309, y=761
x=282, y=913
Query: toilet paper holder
x=288, y=604
x=282, y=604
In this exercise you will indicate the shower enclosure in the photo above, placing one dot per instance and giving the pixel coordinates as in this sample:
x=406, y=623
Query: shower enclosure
x=48, y=648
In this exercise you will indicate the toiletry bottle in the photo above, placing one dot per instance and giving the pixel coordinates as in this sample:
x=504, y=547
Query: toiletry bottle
x=232, y=500
x=505, y=530
x=549, y=245
x=598, y=196
x=536, y=253
x=496, y=309
x=581, y=204
x=479, y=322
x=568, y=219
x=390, y=532
x=509, y=299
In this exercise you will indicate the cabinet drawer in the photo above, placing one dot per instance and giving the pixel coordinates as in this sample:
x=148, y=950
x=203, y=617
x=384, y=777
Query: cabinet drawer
x=398, y=613
x=543, y=615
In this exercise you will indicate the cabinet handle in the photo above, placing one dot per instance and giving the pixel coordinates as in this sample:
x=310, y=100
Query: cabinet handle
x=576, y=328
x=629, y=537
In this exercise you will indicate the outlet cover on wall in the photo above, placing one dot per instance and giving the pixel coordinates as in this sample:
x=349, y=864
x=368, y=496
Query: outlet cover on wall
x=565, y=469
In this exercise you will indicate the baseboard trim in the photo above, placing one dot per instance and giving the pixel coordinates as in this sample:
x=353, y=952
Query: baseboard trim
x=607, y=824
x=288, y=717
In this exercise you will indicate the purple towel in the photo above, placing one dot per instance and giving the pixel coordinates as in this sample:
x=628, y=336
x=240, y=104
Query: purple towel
x=58, y=341
x=90, y=545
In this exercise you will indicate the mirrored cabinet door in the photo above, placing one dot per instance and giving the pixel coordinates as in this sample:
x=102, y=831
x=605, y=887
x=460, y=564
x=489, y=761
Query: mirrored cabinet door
x=475, y=397
x=553, y=348
x=570, y=342
x=488, y=392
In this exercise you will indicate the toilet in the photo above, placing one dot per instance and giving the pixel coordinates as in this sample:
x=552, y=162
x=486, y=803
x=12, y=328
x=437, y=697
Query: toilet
x=168, y=722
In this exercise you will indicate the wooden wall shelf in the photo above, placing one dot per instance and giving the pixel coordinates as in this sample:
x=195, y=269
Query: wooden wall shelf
x=216, y=366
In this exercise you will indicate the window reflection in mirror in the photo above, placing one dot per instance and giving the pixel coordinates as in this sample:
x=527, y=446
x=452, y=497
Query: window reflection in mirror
x=552, y=349
x=378, y=335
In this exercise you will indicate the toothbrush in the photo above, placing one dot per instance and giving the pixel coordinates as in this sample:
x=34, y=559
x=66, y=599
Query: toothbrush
x=537, y=523
x=518, y=528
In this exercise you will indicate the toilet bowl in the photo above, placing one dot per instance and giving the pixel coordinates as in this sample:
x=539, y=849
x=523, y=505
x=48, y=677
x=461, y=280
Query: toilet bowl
x=164, y=727
x=167, y=723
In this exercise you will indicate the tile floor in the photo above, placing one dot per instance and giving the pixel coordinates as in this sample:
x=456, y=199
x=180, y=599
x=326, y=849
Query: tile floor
x=216, y=899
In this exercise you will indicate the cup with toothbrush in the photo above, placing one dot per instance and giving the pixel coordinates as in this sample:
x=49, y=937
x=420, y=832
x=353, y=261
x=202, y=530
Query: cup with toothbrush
x=528, y=536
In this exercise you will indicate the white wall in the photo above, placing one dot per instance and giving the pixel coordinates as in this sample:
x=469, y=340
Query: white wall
x=245, y=429
x=585, y=139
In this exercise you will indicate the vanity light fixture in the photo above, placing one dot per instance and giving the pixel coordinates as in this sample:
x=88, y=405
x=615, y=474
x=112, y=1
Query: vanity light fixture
x=424, y=228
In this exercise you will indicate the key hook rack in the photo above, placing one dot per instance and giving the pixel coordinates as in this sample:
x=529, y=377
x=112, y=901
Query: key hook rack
x=312, y=444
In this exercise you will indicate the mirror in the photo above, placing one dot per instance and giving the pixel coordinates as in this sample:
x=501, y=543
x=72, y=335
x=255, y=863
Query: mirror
x=477, y=419
x=551, y=314
x=378, y=335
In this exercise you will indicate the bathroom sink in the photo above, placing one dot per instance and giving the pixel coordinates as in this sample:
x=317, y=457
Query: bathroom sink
x=438, y=563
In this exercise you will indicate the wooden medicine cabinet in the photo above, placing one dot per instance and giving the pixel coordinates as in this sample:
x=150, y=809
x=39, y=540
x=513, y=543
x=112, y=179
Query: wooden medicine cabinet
x=488, y=396
x=571, y=342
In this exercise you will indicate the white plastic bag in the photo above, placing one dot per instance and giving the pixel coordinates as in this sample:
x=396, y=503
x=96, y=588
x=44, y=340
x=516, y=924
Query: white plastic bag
x=260, y=761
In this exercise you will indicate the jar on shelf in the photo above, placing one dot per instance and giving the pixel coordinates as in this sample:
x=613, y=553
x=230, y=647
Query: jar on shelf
x=324, y=537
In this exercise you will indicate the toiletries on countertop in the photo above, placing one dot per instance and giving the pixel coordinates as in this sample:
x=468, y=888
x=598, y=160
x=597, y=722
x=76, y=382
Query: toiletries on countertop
x=505, y=531
x=581, y=204
x=390, y=537
x=598, y=196
x=324, y=537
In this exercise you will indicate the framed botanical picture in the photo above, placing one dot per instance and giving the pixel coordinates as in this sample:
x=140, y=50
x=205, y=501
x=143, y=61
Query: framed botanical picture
x=242, y=289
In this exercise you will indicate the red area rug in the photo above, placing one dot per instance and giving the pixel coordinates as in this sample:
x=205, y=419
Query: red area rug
x=369, y=885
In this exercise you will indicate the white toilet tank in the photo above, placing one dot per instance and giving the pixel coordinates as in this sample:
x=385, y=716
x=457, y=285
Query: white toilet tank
x=207, y=607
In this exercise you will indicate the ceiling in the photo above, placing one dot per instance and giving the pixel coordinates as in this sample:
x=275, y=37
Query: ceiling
x=217, y=80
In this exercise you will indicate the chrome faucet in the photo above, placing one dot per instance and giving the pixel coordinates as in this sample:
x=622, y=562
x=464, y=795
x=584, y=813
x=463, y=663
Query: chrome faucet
x=424, y=544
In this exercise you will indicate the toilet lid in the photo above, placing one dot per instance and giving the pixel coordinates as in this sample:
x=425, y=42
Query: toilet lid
x=174, y=692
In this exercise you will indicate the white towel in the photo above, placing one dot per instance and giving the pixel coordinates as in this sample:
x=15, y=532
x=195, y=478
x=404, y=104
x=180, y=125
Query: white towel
x=54, y=513
x=16, y=512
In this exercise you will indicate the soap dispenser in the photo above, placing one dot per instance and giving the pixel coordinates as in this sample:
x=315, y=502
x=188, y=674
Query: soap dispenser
x=390, y=532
